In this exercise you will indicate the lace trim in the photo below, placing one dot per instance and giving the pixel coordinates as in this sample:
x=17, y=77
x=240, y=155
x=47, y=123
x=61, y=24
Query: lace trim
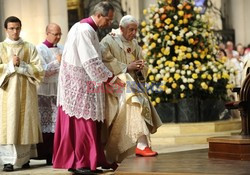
x=79, y=95
x=48, y=113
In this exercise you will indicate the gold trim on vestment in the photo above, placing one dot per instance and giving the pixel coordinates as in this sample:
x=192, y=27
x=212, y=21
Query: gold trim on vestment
x=23, y=93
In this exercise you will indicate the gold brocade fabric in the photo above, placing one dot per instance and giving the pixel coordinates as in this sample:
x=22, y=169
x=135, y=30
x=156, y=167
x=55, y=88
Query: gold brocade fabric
x=129, y=112
x=19, y=121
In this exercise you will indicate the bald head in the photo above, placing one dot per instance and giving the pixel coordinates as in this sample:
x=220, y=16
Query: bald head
x=52, y=26
x=53, y=32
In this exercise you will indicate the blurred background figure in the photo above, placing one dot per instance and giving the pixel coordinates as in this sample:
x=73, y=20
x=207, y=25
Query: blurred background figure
x=51, y=53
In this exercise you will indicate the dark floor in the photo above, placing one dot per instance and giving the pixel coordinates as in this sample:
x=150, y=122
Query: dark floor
x=195, y=162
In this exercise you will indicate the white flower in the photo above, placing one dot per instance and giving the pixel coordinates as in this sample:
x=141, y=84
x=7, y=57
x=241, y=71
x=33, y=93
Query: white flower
x=167, y=75
x=167, y=68
x=185, y=80
x=154, y=71
x=159, y=40
x=151, y=61
x=176, y=28
x=149, y=91
x=204, y=68
x=189, y=72
x=163, y=59
x=215, y=70
x=157, y=77
x=168, y=91
x=178, y=71
x=172, y=70
x=175, y=17
x=161, y=10
x=183, y=72
x=197, y=71
x=198, y=16
x=162, y=71
x=161, y=66
x=182, y=87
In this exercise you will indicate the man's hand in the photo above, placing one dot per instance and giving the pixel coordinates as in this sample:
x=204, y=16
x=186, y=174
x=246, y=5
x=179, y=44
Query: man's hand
x=59, y=57
x=136, y=65
x=16, y=60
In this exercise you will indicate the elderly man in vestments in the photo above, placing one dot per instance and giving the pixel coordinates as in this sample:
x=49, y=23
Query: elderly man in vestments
x=77, y=143
x=20, y=71
x=131, y=118
x=51, y=53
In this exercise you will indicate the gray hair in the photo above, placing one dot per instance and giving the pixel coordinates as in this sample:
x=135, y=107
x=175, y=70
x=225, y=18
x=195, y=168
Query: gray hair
x=127, y=19
x=103, y=8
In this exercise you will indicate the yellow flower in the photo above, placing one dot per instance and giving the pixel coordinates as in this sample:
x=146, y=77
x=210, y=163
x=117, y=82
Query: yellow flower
x=159, y=55
x=155, y=37
x=167, y=37
x=166, y=52
x=177, y=76
x=190, y=40
x=197, y=62
x=180, y=21
x=225, y=75
x=171, y=64
x=185, y=20
x=174, y=85
x=145, y=11
x=157, y=100
x=204, y=85
x=153, y=103
x=209, y=77
x=194, y=76
x=195, y=55
x=151, y=77
x=180, y=13
x=153, y=45
x=188, y=55
x=204, y=76
x=165, y=79
x=211, y=89
x=182, y=95
x=171, y=26
x=168, y=21
x=174, y=58
x=190, y=86
x=143, y=23
x=178, y=38
x=183, y=48
x=170, y=80
x=159, y=62
x=158, y=25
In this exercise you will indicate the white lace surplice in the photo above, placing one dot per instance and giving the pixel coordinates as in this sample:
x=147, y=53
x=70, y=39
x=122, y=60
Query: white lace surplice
x=82, y=73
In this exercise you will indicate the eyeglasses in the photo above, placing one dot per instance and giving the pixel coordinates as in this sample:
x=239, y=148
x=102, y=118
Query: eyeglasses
x=56, y=34
x=13, y=28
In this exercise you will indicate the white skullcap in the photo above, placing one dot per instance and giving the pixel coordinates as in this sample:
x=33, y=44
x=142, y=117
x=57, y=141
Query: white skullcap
x=127, y=19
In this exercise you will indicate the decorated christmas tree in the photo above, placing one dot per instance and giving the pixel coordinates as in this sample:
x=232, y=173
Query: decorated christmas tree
x=181, y=49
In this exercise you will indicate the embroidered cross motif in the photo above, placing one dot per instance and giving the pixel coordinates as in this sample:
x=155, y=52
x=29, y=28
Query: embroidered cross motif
x=128, y=50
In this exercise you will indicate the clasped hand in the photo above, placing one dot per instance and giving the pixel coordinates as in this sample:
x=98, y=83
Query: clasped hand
x=136, y=65
x=16, y=60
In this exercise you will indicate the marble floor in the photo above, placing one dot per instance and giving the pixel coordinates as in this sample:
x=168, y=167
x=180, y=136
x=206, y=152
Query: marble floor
x=38, y=167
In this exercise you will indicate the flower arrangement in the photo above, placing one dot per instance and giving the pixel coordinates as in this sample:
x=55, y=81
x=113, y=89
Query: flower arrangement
x=180, y=49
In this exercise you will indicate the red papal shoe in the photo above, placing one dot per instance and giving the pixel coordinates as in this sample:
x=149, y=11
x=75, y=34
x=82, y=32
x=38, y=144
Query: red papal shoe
x=147, y=152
